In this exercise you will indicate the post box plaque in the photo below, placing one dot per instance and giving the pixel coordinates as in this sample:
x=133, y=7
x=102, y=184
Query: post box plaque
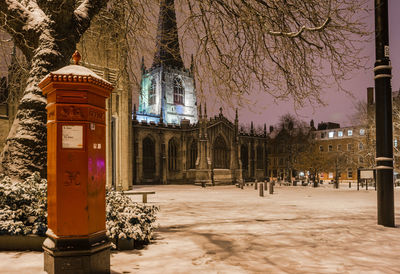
x=72, y=137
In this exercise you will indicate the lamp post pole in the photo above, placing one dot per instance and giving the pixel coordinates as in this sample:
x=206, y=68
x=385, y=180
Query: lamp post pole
x=383, y=112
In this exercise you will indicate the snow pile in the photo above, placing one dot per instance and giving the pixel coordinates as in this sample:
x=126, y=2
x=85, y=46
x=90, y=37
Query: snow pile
x=129, y=220
x=23, y=207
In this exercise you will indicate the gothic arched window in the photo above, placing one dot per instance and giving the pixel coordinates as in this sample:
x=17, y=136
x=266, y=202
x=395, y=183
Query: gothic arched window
x=244, y=156
x=152, y=92
x=220, y=153
x=193, y=154
x=179, y=91
x=260, y=160
x=149, y=158
x=172, y=155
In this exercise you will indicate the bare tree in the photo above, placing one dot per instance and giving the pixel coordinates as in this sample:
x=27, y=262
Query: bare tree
x=313, y=160
x=293, y=134
x=289, y=49
x=364, y=117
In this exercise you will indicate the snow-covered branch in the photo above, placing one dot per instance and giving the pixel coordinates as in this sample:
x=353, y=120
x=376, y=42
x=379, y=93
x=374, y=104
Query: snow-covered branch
x=300, y=31
x=23, y=22
x=84, y=13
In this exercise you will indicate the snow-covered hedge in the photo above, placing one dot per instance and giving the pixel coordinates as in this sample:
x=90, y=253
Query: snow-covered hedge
x=23, y=211
x=23, y=206
x=129, y=220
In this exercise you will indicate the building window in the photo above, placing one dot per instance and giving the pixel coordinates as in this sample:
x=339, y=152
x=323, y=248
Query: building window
x=340, y=134
x=331, y=134
x=349, y=147
x=349, y=173
x=395, y=143
x=321, y=148
x=149, y=158
x=339, y=147
x=362, y=132
x=178, y=91
x=152, y=92
x=193, y=155
x=322, y=135
x=330, y=148
x=220, y=153
x=360, y=146
x=172, y=155
x=350, y=132
x=360, y=160
x=260, y=160
x=281, y=161
x=244, y=156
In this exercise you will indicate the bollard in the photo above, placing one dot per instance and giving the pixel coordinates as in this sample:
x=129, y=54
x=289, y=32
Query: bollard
x=241, y=185
x=349, y=184
x=266, y=185
x=255, y=185
x=271, y=188
x=261, y=192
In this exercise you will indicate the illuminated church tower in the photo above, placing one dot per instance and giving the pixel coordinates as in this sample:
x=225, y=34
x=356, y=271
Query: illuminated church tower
x=167, y=90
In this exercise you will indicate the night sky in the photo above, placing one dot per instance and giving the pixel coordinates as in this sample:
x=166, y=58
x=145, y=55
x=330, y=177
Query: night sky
x=340, y=106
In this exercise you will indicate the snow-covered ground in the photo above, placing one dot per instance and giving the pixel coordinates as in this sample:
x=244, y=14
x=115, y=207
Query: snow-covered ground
x=228, y=230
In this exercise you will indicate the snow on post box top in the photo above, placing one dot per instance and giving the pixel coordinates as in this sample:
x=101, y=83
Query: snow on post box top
x=75, y=74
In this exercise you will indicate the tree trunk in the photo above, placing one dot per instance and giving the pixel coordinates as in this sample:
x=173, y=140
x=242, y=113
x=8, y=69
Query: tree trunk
x=26, y=146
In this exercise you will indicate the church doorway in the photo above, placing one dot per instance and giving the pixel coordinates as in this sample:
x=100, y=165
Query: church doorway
x=220, y=154
x=149, y=158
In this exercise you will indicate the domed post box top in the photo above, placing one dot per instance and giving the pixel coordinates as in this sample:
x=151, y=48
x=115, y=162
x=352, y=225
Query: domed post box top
x=78, y=76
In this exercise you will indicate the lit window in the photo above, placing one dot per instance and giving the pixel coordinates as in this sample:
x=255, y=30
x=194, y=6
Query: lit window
x=321, y=148
x=331, y=134
x=349, y=132
x=178, y=91
x=330, y=148
x=362, y=132
x=360, y=146
x=152, y=92
x=340, y=134
x=395, y=142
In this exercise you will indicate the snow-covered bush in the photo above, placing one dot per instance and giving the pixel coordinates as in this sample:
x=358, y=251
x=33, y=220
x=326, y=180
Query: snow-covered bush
x=23, y=211
x=129, y=220
x=23, y=206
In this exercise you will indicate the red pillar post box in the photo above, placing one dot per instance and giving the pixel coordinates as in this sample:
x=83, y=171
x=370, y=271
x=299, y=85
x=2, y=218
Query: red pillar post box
x=76, y=171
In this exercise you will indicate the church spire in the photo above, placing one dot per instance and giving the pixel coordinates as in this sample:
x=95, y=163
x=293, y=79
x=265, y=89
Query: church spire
x=167, y=41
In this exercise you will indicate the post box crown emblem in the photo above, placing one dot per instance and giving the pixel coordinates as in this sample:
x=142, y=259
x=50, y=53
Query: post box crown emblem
x=76, y=73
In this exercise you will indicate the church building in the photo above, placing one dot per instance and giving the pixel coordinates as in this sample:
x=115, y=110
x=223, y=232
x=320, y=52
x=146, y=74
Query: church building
x=174, y=141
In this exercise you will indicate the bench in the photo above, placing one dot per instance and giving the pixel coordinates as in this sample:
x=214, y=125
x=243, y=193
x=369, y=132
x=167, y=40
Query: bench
x=143, y=193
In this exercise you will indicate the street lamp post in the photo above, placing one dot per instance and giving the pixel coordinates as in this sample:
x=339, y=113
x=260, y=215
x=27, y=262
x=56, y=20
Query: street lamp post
x=383, y=112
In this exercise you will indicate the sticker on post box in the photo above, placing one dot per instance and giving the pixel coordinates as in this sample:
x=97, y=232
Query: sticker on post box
x=72, y=136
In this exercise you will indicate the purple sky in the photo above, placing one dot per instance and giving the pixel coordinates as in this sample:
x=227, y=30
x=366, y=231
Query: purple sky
x=340, y=106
